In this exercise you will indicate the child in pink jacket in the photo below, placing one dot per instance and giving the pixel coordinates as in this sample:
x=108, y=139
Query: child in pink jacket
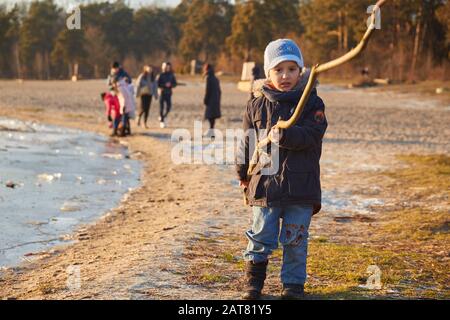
x=112, y=110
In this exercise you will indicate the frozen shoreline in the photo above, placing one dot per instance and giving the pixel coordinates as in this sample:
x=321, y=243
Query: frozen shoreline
x=58, y=179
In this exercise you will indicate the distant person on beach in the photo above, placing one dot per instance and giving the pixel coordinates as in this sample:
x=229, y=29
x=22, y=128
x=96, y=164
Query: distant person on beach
x=125, y=94
x=112, y=110
x=166, y=82
x=292, y=195
x=117, y=73
x=256, y=75
x=212, y=97
x=147, y=88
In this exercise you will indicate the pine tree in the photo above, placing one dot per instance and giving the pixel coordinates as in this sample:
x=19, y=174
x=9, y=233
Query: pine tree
x=117, y=27
x=205, y=30
x=257, y=22
x=9, y=37
x=250, y=32
x=282, y=15
x=69, y=48
x=153, y=33
x=37, y=35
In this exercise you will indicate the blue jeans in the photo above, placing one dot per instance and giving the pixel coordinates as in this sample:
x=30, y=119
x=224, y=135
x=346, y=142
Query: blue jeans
x=116, y=122
x=167, y=100
x=126, y=123
x=265, y=233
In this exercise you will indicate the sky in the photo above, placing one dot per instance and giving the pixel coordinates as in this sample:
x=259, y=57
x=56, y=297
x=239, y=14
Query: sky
x=131, y=3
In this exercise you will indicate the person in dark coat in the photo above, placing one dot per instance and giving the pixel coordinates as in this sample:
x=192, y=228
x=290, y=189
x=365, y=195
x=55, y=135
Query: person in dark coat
x=283, y=188
x=212, y=97
x=256, y=75
x=117, y=72
x=166, y=82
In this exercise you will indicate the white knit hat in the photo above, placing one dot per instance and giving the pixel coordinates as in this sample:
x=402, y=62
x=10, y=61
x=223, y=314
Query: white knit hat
x=279, y=51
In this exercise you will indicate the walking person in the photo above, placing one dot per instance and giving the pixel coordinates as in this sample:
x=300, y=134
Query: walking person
x=147, y=88
x=166, y=82
x=212, y=98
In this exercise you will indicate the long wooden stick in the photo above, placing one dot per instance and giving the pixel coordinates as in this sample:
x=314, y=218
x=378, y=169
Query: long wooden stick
x=315, y=71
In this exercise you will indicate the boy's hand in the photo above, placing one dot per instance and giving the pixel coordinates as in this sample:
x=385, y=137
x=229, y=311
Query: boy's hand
x=274, y=135
x=243, y=184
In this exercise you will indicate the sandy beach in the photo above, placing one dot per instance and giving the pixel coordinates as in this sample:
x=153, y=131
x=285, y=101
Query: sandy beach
x=185, y=224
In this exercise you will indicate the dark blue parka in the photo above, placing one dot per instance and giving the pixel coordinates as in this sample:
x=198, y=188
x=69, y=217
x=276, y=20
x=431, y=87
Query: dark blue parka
x=297, y=180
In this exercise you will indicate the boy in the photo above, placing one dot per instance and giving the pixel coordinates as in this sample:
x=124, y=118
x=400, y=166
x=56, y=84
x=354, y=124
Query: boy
x=293, y=193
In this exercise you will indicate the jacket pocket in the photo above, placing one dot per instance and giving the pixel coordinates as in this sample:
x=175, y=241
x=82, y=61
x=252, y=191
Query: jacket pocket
x=301, y=184
x=299, y=162
x=255, y=188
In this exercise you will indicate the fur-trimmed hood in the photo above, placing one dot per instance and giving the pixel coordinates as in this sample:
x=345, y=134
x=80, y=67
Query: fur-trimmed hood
x=260, y=87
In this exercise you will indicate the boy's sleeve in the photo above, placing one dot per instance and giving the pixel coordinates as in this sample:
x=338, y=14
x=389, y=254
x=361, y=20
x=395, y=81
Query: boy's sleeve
x=310, y=133
x=243, y=153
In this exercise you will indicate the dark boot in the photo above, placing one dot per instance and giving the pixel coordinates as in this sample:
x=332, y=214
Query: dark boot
x=293, y=292
x=255, y=274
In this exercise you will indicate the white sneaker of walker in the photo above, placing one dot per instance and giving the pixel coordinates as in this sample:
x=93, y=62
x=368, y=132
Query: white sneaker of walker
x=162, y=125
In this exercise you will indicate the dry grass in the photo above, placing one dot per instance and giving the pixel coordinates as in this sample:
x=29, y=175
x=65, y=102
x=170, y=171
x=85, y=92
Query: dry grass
x=410, y=247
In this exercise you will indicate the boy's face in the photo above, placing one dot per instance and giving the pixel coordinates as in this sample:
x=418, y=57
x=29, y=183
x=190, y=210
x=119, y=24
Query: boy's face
x=285, y=75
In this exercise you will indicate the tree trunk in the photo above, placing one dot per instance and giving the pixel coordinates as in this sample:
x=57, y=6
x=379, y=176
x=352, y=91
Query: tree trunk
x=17, y=58
x=422, y=40
x=401, y=52
x=445, y=76
x=47, y=65
x=345, y=27
x=393, y=46
x=340, y=31
x=429, y=62
x=412, y=70
x=248, y=53
x=39, y=65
